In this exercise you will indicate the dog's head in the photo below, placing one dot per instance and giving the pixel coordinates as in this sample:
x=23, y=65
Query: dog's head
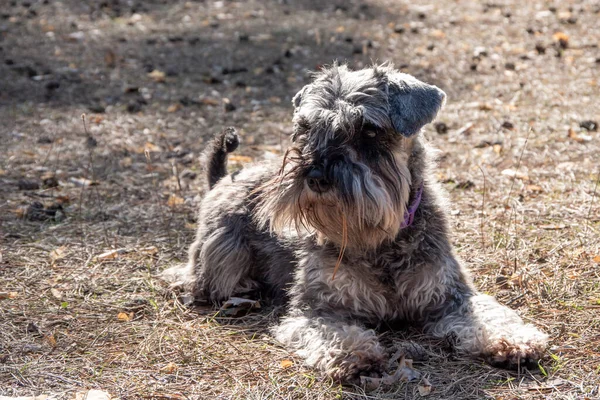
x=346, y=174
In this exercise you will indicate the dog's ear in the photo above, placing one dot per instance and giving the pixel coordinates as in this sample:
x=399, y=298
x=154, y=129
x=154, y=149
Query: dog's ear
x=412, y=103
x=298, y=97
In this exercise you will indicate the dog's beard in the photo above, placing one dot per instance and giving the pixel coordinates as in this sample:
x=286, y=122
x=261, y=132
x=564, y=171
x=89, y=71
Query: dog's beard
x=371, y=206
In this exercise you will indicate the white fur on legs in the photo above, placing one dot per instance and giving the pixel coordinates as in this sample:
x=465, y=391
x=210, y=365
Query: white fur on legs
x=482, y=326
x=343, y=351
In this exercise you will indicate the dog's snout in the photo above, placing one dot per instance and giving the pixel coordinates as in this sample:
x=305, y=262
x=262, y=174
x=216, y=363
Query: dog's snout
x=316, y=180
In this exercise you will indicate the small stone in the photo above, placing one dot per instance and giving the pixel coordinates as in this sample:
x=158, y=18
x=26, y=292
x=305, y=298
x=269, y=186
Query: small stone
x=52, y=85
x=44, y=140
x=134, y=107
x=28, y=184
x=507, y=125
x=540, y=48
x=97, y=108
x=50, y=182
x=589, y=125
x=441, y=128
x=229, y=106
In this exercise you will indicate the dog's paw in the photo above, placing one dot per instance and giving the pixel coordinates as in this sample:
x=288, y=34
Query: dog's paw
x=512, y=353
x=349, y=370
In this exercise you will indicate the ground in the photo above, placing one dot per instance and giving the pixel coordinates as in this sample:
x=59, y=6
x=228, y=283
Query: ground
x=93, y=208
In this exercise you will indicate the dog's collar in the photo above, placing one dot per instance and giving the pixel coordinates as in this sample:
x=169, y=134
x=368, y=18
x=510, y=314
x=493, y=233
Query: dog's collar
x=409, y=215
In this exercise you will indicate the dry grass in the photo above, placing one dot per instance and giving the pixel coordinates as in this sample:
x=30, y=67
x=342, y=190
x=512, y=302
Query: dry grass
x=70, y=320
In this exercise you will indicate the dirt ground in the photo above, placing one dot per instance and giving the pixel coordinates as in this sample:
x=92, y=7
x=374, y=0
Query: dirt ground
x=90, y=215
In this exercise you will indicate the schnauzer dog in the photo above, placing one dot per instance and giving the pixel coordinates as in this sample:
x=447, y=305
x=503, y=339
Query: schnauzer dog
x=350, y=230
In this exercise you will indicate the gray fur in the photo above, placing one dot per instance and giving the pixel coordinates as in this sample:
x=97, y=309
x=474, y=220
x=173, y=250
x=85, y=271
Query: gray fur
x=265, y=230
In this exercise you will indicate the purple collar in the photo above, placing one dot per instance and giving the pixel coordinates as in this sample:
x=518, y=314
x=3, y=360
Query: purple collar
x=409, y=215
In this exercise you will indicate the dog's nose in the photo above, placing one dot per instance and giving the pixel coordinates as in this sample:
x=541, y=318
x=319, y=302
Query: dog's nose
x=316, y=180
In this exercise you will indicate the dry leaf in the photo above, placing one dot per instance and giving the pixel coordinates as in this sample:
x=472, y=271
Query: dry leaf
x=562, y=39
x=51, y=340
x=56, y=293
x=515, y=174
x=149, y=250
x=240, y=159
x=93, y=394
x=535, y=188
x=125, y=317
x=110, y=255
x=126, y=162
x=286, y=364
x=58, y=254
x=597, y=259
x=169, y=368
x=425, y=387
x=82, y=182
x=8, y=295
x=552, y=227
x=157, y=76
x=175, y=200
x=174, y=107
x=580, y=138
x=151, y=148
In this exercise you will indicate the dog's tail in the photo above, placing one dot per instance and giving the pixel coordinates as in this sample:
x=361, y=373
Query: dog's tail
x=216, y=154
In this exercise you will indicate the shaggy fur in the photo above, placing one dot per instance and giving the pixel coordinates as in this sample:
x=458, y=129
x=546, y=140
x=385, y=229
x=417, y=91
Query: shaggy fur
x=340, y=195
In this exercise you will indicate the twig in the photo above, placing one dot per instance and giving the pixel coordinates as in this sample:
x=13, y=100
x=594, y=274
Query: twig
x=587, y=218
x=482, y=209
x=176, y=173
x=508, y=198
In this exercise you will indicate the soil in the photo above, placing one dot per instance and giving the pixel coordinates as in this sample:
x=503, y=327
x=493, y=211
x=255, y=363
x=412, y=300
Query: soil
x=105, y=109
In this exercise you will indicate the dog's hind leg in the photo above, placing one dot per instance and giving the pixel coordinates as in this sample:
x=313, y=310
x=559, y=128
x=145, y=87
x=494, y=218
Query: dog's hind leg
x=223, y=263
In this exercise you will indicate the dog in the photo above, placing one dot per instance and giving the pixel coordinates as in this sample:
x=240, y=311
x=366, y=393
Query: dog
x=349, y=230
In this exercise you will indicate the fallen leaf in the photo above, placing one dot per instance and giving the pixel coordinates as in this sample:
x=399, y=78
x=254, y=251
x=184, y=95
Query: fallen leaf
x=169, y=368
x=424, y=387
x=58, y=254
x=51, y=340
x=515, y=174
x=8, y=295
x=157, y=76
x=125, y=317
x=151, y=148
x=175, y=200
x=237, y=306
x=93, y=394
x=562, y=39
x=110, y=255
x=580, y=138
x=552, y=227
x=56, y=293
x=149, y=250
x=240, y=159
x=286, y=364
x=535, y=188
x=174, y=107
x=597, y=259
x=82, y=182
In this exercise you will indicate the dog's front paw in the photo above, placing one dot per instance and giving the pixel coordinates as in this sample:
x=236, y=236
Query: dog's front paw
x=350, y=369
x=519, y=351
